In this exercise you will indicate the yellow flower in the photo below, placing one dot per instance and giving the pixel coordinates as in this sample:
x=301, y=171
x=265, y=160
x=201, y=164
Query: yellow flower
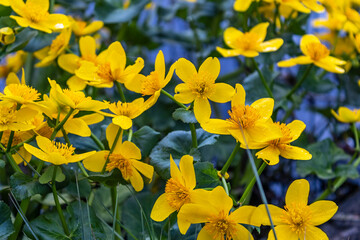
x=74, y=99
x=255, y=120
x=125, y=157
x=179, y=191
x=346, y=115
x=81, y=28
x=297, y=220
x=48, y=54
x=356, y=41
x=125, y=112
x=313, y=5
x=15, y=120
x=12, y=63
x=281, y=146
x=7, y=36
x=34, y=14
x=5, y=2
x=243, y=5
x=200, y=86
x=248, y=44
x=55, y=152
x=111, y=66
x=19, y=136
x=154, y=82
x=213, y=209
x=71, y=62
x=315, y=53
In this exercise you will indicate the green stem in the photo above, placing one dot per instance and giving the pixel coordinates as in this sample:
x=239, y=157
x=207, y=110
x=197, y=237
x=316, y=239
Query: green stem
x=97, y=141
x=230, y=159
x=130, y=134
x=115, y=202
x=120, y=91
x=223, y=180
x=17, y=146
x=118, y=134
x=356, y=134
x=262, y=78
x=172, y=98
x=19, y=220
x=51, y=8
x=57, y=203
x=298, y=83
x=251, y=185
x=61, y=124
x=11, y=137
x=12, y=162
x=193, y=135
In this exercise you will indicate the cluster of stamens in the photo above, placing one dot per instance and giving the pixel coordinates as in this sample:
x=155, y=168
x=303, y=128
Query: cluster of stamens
x=220, y=226
x=121, y=163
x=151, y=84
x=244, y=116
x=297, y=217
x=176, y=194
x=27, y=93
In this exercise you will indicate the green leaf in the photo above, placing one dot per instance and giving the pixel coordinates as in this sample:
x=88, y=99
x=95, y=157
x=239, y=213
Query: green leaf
x=110, y=14
x=7, y=22
x=24, y=186
x=5, y=11
x=47, y=176
x=81, y=219
x=184, y=115
x=6, y=226
x=2, y=164
x=40, y=41
x=146, y=138
x=348, y=171
x=206, y=175
x=178, y=144
x=324, y=155
x=21, y=40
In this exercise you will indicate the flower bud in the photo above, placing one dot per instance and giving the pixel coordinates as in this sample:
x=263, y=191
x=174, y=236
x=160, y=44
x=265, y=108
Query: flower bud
x=7, y=35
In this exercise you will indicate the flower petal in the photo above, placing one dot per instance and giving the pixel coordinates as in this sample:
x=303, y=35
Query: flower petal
x=239, y=96
x=241, y=233
x=78, y=127
x=185, y=70
x=68, y=62
x=314, y=233
x=160, y=65
x=205, y=235
x=265, y=107
x=260, y=216
x=322, y=211
x=298, y=192
x=296, y=128
x=283, y=232
x=44, y=143
x=161, y=209
x=129, y=150
x=145, y=169
x=260, y=30
x=202, y=109
x=216, y=126
x=270, y=154
x=187, y=171
x=175, y=172
x=329, y=66
x=231, y=35
x=232, y=52
x=184, y=94
x=96, y=162
x=222, y=93
x=209, y=69
x=136, y=181
x=271, y=45
x=87, y=46
x=122, y=121
x=242, y=5
x=36, y=152
x=296, y=153
x=305, y=41
x=243, y=214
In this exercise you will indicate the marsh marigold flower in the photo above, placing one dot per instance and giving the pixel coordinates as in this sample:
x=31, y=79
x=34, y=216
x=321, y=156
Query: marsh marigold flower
x=81, y=28
x=12, y=63
x=154, y=82
x=248, y=44
x=199, y=86
x=281, y=146
x=5, y=2
x=48, y=54
x=125, y=157
x=347, y=115
x=297, y=220
x=255, y=120
x=35, y=14
x=15, y=120
x=213, y=209
x=55, y=152
x=179, y=190
x=110, y=67
x=317, y=53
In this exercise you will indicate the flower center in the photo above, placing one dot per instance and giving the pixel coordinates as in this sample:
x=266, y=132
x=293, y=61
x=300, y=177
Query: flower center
x=220, y=225
x=76, y=97
x=286, y=135
x=151, y=84
x=7, y=115
x=248, y=41
x=27, y=93
x=35, y=13
x=202, y=86
x=81, y=25
x=104, y=72
x=62, y=149
x=121, y=109
x=176, y=194
x=297, y=217
x=123, y=164
x=244, y=116
x=317, y=51
x=58, y=43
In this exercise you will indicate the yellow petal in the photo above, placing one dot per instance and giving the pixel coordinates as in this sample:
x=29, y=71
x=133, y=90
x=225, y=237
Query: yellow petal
x=160, y=65
x=210, y=69
x=92, y=27
x=76, y=84
x=231, y=35
x=185, y=70
x=202, y=109
x=231, y=52
x=12, y=79
x=78, y=127
x=243, y=214
x=335, y=61
x=296, y=5
x=92, y=118
x=296, y=153
x=57, y=22
x=44, y=143
x=187, y=170
x=91, y=105
x=305, y=41
x=68, y=62
x=96, y=162
x=322, y=211
x=303, y=60
x=205, y=235
x=222, y=93
x=22, y=156
x=328, y=66
x=136, y=181
x=270, y=154
x=36, y=152
x=18, y=6
x=260, y=30
x=239, y=96
x=145, y=169
x=87, y=71
x=314, y=233
x=111, y=132
x=196, y=213
x=132, y=70
x=39, y=5
x=129, y=150
x=265, y=107
x=283, y=232
x=242, y=5
x=271, y=45
x=216, y=126
x=345, y=115
x=56, y=158
x=240, y=233
x=136, y=83
x=161, y=209
x=175, y=172
x=296, y=128
x=250, y=53
x=313, y=5
x=298, y=192
x=87, y=46
x=260, y=217
x=122, y=121
x=184, y=94
x=79, y=157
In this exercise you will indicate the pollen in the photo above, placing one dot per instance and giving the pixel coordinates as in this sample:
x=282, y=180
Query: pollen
x=317, y=51
x=121, y=109
x=248, y=41
x=286, y=135
x=176, y=194
x=202, y=85
x=104, y=72
x=61, y=148
x=220, y=225
x=151, y=84
x=297, y=217
x=121, y=163
x=28, y=94
x=76, y=97
x=57, y=44
x=244, y=116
